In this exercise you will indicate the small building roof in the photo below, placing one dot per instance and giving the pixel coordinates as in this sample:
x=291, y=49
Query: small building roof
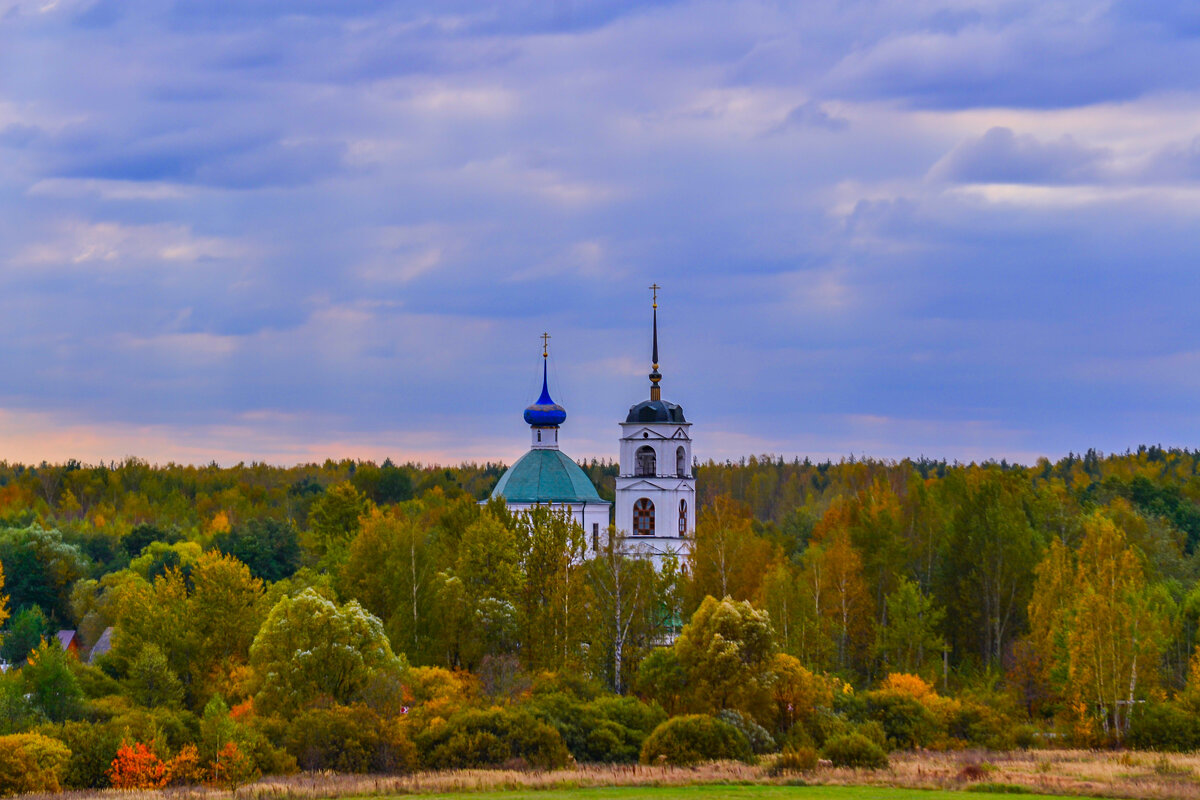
x=102, y=645
x=66, y=639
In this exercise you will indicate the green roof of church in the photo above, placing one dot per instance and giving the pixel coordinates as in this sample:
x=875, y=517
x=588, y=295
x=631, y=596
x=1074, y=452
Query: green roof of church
x=545, y=476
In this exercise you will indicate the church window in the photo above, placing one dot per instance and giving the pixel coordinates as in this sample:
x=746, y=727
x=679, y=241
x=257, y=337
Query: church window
x=595, y=537
x=645, y=461
x=643, y=518
x=683, y=517
x=681, y=463
x=539, y=436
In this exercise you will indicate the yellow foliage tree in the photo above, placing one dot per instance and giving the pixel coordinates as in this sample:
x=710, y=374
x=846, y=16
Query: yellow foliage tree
x=798, y=692
x=1118, y=631
x=1098, y=628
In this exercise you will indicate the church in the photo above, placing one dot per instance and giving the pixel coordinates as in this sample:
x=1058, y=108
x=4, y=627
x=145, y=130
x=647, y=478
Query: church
x=655, y=509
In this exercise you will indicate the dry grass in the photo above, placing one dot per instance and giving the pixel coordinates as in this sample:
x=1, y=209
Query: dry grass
x=1060, y=772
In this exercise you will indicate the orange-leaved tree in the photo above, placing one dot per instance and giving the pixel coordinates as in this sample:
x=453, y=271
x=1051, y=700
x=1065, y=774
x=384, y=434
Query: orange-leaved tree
x=232, y=768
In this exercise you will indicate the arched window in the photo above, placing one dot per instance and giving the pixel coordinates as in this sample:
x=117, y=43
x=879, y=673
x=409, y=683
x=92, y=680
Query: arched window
x=681, y=462
x=644, y=462
x=682, y=516
x=539, y=436
x=643, y=518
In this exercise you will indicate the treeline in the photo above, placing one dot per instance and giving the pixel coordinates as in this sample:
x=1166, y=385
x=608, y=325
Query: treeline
x=308, y=614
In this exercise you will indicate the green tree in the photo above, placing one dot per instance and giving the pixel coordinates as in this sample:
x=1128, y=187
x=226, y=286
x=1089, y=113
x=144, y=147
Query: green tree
x=225, y=609
x=333, y=522
x=623, y=610
x=40, y=568
x=269, y=547
x=29, y=627
x=151, y=682
x=988, y=562
x=553, y=593
x=49, y=679
x=910, y=639
x=388, y=571
x=310, y=647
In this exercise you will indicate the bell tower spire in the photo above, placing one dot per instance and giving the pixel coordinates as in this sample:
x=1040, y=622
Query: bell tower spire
x=655, y=375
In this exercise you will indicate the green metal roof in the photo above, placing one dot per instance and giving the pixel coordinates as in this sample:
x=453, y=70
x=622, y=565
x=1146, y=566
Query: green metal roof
x=545, y=476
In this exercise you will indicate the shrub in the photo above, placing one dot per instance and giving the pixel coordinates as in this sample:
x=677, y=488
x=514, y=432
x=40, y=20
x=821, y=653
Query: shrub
x=906, y=721
x=30, y=762
x=874, y=731
x=854, y=750
x=824, y=725
x=605, y=730
x=695, y=738
x=760, y=740
x=492, y=738
x=93, y=747
x=794, y=759
x=349, y=739
x=1163, y=726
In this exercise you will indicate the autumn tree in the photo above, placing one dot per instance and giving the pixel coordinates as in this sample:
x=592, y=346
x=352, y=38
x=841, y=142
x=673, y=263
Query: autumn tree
x=1118, y=628
x=225, y=609
x=725, y=652
x=846, y=599
x=727, y=558
x=3, y=600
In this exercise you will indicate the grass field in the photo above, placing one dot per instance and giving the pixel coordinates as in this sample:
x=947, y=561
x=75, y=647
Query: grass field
x=909, y=776
x=719, y=792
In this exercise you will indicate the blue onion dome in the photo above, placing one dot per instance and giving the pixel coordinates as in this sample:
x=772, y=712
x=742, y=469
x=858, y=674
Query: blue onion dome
x=545, y=413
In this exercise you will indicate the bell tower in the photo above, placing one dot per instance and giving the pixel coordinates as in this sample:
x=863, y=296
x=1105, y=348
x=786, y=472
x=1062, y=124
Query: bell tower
x=656, y=489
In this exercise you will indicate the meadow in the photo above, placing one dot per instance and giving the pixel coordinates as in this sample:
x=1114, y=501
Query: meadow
x=910, y=776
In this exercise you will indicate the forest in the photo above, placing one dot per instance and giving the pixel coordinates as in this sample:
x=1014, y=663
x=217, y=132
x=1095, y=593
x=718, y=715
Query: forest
x=231, y=622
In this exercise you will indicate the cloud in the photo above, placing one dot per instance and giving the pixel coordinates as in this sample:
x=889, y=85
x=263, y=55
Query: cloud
x=83, y=244
x=811, y=114
x=344, y=224
x=1000, y=156
x=1176, y=163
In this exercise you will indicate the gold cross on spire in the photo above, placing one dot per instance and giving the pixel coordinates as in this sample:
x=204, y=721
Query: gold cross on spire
x=545, y=345
x=654, y=287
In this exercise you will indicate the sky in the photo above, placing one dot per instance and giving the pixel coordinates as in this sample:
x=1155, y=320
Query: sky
x=285, y=232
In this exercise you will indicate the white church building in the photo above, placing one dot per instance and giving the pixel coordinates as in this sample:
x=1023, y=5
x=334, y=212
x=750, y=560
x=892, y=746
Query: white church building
x=655, y=490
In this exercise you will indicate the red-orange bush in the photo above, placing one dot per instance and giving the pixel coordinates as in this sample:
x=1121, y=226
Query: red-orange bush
x=137, y=767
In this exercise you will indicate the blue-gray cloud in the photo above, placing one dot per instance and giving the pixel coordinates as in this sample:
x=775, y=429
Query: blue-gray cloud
x=1001, y=156
x=356, y=216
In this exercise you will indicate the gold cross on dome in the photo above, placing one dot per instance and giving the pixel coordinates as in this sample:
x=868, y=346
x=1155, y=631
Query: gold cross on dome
x=545, y=345
x=654, y=287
